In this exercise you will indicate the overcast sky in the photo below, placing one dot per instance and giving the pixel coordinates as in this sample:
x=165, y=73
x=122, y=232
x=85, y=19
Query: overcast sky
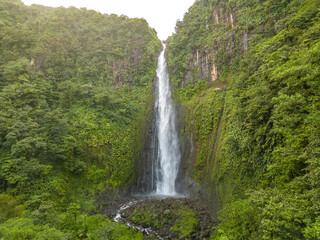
x=161, y=14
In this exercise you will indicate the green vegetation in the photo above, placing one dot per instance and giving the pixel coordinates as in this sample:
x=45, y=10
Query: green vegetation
x=186, y=222
x=86, y=227
x=75, y=91
x=255, y=145
x=176, y=218
x=203, y=116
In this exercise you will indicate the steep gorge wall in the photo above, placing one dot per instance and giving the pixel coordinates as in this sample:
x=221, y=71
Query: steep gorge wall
x=202, y=129
x=235, y=71
x=221, y=42
x=79, y=88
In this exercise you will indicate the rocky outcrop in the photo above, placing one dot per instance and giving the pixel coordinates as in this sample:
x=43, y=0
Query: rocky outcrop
x=222, y=16
x=206, y=62
x=245, y=37
x=214, y=72
x=201, y=67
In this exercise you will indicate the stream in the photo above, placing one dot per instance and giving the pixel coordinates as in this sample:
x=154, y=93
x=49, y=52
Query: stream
x=146, y=231
x=161, y=217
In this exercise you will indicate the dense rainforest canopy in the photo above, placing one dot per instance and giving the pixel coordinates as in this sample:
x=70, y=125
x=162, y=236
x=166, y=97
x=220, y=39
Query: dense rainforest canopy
x=76, y=95
x=248, y=74
x=75, y=90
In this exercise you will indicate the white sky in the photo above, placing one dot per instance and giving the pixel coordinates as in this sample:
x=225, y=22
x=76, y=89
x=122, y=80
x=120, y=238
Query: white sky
x=160, y=14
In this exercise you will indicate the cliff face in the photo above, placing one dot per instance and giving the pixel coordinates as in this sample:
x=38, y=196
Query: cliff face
x=221, y=42
x=215, y=43
x=245, y=74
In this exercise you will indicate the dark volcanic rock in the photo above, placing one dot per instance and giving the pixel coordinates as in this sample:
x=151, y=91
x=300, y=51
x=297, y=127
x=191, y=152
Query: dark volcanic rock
x=169, y=218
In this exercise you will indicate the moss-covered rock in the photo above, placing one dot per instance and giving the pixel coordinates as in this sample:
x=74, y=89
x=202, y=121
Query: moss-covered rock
x=172, y=218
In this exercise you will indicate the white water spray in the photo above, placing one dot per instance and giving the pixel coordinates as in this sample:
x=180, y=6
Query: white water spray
x=168, y=141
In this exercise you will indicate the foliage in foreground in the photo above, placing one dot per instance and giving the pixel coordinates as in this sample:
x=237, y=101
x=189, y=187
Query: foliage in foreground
x=71, y=226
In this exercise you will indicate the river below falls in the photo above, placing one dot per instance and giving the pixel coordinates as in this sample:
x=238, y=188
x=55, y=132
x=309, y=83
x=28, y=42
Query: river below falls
x=161, y=217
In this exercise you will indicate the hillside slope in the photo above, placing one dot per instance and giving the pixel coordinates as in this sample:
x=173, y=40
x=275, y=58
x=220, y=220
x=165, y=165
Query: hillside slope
x=247, y=74
x=75, y=94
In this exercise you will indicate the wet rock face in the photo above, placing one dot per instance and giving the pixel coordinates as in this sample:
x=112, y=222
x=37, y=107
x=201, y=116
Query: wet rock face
x=245, y=41
x=205, y=62
x=222, y=16
x=144, y=167
x=202, y=66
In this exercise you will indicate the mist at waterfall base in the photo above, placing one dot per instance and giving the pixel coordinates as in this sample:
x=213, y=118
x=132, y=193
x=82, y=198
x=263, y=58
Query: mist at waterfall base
x=162, y=165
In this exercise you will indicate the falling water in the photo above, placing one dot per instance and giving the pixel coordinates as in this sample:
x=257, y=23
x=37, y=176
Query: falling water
x=168, y=156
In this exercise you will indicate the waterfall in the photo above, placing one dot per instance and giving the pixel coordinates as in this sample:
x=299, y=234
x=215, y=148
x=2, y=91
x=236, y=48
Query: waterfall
x=168, y=156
